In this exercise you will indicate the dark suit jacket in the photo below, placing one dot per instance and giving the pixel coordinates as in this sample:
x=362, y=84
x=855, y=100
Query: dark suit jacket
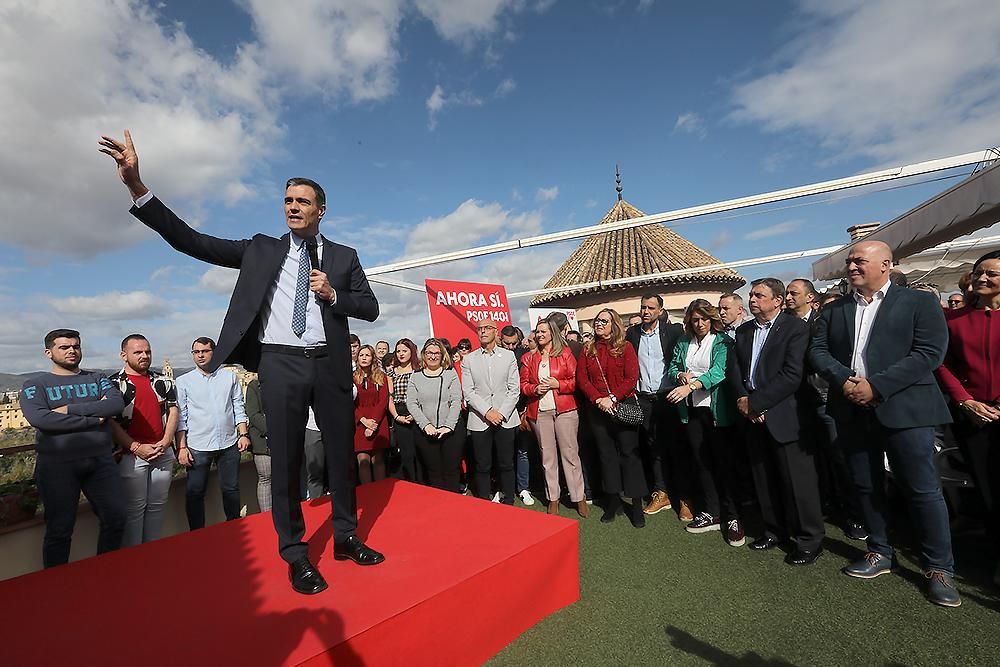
x=259, y=260
x=908, y=341
x=780, y=370
x=669, y=335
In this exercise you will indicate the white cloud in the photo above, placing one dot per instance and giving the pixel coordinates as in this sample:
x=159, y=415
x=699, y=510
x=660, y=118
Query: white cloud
x=162, y=273
x=112, y=306
x=547, y=194
x=885, y=80
x=505, y=88
x=773, y=230
x=203, y=124
x=472, y=222
x=590, y=203
x=438, y=100
x=219, y=279
x=690, y=123
x=644, y=6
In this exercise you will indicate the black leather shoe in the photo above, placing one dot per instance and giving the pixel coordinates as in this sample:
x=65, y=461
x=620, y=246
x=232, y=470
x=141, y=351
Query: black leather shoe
x=305, y=578
x=764, y=543
x=803, y=557
x=354, y=549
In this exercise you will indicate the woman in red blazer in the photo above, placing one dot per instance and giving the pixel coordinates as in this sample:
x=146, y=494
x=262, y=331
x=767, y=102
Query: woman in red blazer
x=371, y=422
x=970, y=375
x=608, y=372
x=548, y=380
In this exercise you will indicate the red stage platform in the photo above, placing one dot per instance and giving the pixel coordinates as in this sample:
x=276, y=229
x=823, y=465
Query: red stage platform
x=462, y=579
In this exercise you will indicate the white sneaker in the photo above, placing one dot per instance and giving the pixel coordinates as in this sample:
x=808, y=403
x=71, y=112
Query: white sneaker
x=526, y=498
x=496, y=497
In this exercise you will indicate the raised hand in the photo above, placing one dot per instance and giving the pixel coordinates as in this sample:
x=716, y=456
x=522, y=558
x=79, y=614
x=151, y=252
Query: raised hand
x=127, y=160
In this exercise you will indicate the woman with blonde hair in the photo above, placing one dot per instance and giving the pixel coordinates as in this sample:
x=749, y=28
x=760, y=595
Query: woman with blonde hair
x=371, y=416
x=607, y=374
x=548, y=381
x=708, y=411
x=434, y=398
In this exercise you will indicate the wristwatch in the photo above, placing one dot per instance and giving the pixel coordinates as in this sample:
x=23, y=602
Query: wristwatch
x=691, y=386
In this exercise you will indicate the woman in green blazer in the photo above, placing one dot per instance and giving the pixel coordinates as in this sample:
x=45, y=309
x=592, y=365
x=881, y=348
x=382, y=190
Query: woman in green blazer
x=708, y=411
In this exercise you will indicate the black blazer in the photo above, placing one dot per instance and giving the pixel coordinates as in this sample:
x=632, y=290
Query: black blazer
x=780, y=370
x=669, y=335
x=259, y=260
x=908, y=342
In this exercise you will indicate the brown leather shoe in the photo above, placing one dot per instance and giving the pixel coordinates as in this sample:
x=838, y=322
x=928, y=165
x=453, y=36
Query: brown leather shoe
x=684, y=514
x=658, y=503
x=553, y=507
x=582, y=509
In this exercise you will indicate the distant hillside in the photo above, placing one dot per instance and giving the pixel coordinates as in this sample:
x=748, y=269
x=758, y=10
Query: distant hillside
x=14, y=381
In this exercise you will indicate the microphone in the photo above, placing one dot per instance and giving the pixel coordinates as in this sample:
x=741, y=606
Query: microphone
x=313, y=253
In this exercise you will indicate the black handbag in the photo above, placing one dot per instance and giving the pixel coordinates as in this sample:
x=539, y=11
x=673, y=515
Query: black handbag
x=627, y=410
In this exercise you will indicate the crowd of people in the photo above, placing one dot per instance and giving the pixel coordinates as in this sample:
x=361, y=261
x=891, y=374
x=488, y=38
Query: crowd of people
x=786, y=405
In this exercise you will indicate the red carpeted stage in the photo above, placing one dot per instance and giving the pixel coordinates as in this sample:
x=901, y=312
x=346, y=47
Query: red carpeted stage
x=462, y=579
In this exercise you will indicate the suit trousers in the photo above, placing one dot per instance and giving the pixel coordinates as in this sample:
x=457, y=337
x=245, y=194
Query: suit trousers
x=557, y=439
x=668, y=455
x=911, y=458
x=315, y=456
x=835, y=484
x=621, y=462
x=784, y=475
x=289, y=384
x=500, y=442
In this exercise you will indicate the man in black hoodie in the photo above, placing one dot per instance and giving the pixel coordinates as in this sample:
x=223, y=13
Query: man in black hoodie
x=70, y=408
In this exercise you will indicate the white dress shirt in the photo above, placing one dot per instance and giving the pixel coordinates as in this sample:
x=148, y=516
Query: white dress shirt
x=864, y=318
x=760, y=334
x=277, y=312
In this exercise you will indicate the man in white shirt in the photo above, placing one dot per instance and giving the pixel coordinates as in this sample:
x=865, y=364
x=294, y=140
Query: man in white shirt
x=213, y=428
x=287, y=320
x=878, y=348
x=492, y=386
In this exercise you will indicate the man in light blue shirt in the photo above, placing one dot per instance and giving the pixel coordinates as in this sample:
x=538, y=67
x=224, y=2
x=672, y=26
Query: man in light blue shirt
x=213, y=427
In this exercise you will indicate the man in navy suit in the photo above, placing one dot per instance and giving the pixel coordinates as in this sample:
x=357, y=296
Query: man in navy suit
x=287, y=320
x=766, y=374
x=878, y=349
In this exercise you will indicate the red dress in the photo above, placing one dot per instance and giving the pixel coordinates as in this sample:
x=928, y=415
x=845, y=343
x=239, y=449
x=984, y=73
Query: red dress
x=372, y=403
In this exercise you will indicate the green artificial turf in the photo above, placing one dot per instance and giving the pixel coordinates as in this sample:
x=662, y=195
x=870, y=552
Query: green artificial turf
x=661, y=596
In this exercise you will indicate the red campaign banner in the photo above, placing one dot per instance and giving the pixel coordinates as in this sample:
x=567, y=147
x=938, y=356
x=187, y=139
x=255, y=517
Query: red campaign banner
x=455, y=307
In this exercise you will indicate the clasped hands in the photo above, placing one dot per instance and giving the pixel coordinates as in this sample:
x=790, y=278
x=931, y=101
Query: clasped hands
x=743, y=405
x=436, y=431
x=546, y=385
x=370, y=426
x=606, y=404
x=493, y=417
x=859, y=391
x=148, y=451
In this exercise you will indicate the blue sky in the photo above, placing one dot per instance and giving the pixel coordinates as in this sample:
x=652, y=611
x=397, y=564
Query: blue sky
x=441, y=124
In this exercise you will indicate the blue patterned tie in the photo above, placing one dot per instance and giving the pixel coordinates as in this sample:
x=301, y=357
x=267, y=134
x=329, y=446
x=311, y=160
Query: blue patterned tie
x=301, y=292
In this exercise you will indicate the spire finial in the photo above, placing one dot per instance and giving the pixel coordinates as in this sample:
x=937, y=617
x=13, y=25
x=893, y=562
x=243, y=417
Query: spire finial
x=618, y=182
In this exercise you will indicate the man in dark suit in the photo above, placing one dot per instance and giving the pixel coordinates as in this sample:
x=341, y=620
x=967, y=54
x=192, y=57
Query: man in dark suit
x=287, y=321
x=878, y=349
x=666, y=453
x=767, y=375
x=836, y=490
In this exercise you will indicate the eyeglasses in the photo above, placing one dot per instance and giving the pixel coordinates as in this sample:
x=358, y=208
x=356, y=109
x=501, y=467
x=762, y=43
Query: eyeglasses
x=432, y=354
x=464, y=348
x=956, y=302
x=602, y=321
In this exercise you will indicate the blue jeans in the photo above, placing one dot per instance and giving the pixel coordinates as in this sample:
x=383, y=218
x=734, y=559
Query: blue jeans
x=228, y=462
x=59, y=486
x=522, y=462
x=911, y=458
